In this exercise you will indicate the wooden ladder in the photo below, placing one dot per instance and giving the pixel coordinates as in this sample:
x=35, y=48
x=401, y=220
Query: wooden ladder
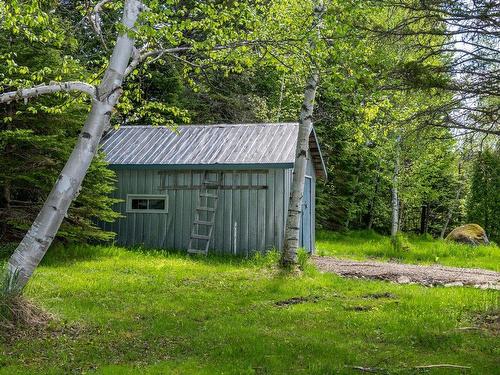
x=207, y=203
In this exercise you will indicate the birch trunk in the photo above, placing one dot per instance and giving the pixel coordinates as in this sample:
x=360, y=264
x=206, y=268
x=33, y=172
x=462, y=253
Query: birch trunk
x=450, y=213
x=394, y=192
x=291, y=242
x=292, y=227
x=35, y=243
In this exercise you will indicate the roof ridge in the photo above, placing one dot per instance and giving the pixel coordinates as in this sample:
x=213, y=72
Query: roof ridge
x=208, y=125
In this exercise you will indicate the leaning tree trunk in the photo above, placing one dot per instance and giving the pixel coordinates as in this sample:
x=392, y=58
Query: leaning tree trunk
x=35, y=243
x=394, y=192
x=292, y=227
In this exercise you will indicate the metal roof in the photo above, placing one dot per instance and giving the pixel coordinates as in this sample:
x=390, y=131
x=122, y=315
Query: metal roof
x=202, y=146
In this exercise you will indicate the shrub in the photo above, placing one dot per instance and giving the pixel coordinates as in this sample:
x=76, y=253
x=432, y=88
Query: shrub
x=302, y=258
x=400, y=243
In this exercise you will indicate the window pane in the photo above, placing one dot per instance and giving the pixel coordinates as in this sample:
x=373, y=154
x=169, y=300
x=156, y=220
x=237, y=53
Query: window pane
x=139, y=204
x=157, y=204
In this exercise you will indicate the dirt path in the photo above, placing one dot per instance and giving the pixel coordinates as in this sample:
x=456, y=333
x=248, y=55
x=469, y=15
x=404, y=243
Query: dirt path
x=408, y=273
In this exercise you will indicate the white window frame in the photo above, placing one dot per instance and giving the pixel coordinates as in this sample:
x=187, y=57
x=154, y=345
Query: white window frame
x=130, y=210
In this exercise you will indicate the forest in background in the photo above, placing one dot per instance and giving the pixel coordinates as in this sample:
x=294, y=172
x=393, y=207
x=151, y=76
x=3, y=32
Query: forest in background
x=388, y=98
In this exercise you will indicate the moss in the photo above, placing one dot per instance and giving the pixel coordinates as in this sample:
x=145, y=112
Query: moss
x=471, y=234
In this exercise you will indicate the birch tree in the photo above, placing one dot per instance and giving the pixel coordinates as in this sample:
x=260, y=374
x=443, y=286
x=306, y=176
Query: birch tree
x=291, y=241
x=394, y=191
x=35, y=243
x=225, y=36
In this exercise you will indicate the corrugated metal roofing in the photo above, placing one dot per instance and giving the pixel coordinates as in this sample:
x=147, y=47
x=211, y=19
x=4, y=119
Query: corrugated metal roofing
x=206, y=145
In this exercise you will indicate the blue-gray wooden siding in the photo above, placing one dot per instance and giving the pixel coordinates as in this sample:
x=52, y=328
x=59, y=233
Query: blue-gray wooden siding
x=260, y=214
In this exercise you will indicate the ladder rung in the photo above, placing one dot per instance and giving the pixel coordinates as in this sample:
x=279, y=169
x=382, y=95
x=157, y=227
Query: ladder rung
x=200, y=237
x=208, y=195
x=202, y=222
x=197, y=251
x=212, y=209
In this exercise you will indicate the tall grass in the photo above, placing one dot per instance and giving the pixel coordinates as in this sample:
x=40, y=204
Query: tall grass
x=156, y=312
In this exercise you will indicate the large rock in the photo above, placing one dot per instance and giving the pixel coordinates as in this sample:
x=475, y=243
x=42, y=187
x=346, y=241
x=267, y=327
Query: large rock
x=471, y=234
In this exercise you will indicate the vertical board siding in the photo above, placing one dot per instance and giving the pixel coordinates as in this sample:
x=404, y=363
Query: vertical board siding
x=252, y=214
x=270, y=208
x=188, y=210
x=259, y=214
x=227, y=213
x=243, y=224
x=236, y=203
x=279, y=207
x=310, y=171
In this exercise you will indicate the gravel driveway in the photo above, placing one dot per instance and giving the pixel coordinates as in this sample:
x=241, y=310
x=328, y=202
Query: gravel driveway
x=408, y=273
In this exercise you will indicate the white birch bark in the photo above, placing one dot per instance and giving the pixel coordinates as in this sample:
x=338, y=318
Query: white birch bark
x=48, y=89
x=394, y=192
x=292, y=227
x=35, y=243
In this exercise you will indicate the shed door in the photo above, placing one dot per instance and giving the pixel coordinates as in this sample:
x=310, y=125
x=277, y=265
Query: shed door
x=305, y=222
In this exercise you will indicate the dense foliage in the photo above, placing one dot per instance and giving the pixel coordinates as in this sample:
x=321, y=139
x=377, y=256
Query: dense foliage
x=245, y=62
x=483, y=203
x=36, y=137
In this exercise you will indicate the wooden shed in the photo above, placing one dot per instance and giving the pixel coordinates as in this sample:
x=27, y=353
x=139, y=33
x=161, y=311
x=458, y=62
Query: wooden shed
x=222, y=188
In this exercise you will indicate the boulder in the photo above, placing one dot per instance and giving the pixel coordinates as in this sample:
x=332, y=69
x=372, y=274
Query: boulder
x=471, y=234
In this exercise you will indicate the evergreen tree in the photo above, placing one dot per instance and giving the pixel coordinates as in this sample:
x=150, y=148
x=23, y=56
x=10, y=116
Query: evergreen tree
x=483, y=205
x=37, y=137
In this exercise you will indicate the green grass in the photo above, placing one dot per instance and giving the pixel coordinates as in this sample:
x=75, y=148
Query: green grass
x=128, y=312
x=421, y=250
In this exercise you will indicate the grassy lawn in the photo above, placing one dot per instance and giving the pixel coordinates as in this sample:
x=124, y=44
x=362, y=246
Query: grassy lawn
x=421, y=250
x=123, y=312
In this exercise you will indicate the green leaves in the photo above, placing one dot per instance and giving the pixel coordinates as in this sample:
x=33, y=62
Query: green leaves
x=483, y=205
x=36, y=136
x=27, y=19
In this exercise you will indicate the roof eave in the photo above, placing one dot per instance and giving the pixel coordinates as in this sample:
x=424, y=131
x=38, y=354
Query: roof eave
x=232, y=166
x=316, y=153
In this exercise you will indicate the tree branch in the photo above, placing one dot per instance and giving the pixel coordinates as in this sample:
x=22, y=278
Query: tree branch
x=51, y=88
x=139, y=58
x=95, y=20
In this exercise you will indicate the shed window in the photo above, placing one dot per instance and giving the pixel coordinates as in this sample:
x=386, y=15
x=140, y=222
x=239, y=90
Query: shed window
x=147, y=203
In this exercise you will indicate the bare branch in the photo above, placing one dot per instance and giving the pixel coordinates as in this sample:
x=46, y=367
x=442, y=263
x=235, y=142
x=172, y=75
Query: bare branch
x=51, y=88
x=100, y=4
x=95, y=20
x=139, y=58
x=455, y=125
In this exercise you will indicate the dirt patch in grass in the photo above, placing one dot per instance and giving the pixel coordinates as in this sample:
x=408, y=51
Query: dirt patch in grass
x=297, y=300
x=380, y=295
x=489, y=321
x=19, y=315
x=358, y=308
x=409, y=273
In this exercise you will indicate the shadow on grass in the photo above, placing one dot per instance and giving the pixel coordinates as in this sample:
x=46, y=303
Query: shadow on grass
x=65, y=254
